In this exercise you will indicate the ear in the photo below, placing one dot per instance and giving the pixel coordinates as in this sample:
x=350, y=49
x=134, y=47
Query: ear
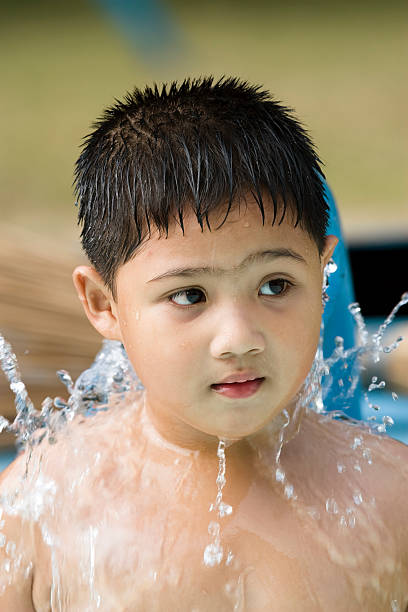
x=97, y=301
x=328, y=250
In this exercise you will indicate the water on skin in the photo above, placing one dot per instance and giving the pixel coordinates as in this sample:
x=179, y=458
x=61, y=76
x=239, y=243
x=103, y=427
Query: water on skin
x=214, y=552
x=80, y=434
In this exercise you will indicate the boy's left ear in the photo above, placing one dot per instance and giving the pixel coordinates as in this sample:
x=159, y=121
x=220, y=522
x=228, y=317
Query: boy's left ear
x=331, y=242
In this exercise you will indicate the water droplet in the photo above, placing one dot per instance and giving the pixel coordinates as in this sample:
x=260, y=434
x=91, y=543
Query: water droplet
x=393, y=346
x=341, y=468
x=395, y=607
x=357, y=498
x=224, y=509
x=221, y=480
x=17, y=387
x=3, y=423
x=66, y=380
x=60, y=403
x=356, y=443
x=331, y=506
x=367, y=455
x=118, y=377
x=10, y=548
x=27, y=571
x=339, y=342
x=351, y=521
x=315, y=514
x=213, y=554
x=288, y=491
x=357, y=467
x=331, y=266
x=280, y=475
x=394, y=396
x=374, y=385
x=229, y=588
x=229, y=559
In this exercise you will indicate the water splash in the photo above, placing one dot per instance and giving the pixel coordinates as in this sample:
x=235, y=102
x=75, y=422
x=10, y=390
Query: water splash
x=110, y=376
x=214, y=552
x=379, y=335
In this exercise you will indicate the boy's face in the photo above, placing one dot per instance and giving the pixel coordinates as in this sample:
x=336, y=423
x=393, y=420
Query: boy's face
x=184, y=333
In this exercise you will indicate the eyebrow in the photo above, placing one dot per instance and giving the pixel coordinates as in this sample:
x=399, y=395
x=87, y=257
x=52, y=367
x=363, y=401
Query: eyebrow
x=257, y=257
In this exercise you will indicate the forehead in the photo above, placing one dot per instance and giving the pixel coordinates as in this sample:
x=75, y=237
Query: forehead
x=241, y=235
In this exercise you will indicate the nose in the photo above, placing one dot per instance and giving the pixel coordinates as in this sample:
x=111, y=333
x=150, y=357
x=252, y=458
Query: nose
x=237, y=334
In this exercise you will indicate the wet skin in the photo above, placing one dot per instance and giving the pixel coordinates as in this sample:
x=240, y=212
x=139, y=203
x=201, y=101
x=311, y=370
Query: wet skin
x=132, y=530
x=143, y=511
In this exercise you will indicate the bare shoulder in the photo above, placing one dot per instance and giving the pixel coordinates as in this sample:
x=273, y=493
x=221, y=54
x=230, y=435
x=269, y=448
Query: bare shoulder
x=386, y=456
x=34, y=490
x=374, y=464
x=354, y=435
x=16, y=550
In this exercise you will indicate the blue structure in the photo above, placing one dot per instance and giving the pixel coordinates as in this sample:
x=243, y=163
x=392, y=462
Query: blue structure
x=147, y=25
x=337, y=319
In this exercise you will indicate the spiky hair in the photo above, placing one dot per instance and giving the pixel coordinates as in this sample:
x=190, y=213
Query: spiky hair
x=197, y=145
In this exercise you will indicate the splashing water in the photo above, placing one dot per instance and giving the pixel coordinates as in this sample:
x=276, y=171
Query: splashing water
x=111, y=380
x=110, y=376
x=214, y=552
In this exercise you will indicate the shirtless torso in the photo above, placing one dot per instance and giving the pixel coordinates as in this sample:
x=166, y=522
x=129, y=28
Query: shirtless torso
x=129, y=534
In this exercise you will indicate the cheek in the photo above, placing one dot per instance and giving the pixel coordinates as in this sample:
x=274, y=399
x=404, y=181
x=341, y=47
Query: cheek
x=157, y=351
x=296, y=337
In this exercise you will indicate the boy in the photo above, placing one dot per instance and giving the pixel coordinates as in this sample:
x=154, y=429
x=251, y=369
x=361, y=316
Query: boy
x=204, y=221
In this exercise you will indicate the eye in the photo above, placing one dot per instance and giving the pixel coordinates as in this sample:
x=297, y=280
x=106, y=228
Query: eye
x=188, y=297
x=276, y=286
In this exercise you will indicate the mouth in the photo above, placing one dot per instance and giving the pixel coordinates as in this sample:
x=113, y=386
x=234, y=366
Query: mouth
x=238, y=390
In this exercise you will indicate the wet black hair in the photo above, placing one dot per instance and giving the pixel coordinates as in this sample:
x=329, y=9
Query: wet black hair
x=200, y=144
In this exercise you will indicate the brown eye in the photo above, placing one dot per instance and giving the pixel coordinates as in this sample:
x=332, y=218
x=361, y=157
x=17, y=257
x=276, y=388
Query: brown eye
x=275, y=287
x=188, y=297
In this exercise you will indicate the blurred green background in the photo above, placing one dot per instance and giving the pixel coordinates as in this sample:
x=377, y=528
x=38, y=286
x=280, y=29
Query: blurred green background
x=342, y=66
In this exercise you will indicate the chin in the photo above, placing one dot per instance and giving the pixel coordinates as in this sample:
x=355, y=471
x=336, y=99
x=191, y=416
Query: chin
x=237, y=432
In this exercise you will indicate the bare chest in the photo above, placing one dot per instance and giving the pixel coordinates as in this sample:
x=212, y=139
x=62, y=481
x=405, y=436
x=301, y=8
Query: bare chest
x=142, y=561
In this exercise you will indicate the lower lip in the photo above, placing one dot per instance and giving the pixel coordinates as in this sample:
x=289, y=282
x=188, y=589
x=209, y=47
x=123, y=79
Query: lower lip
x=239, y=390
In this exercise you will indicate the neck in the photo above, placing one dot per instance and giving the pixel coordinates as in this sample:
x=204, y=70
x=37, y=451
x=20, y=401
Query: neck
x=182, y=438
